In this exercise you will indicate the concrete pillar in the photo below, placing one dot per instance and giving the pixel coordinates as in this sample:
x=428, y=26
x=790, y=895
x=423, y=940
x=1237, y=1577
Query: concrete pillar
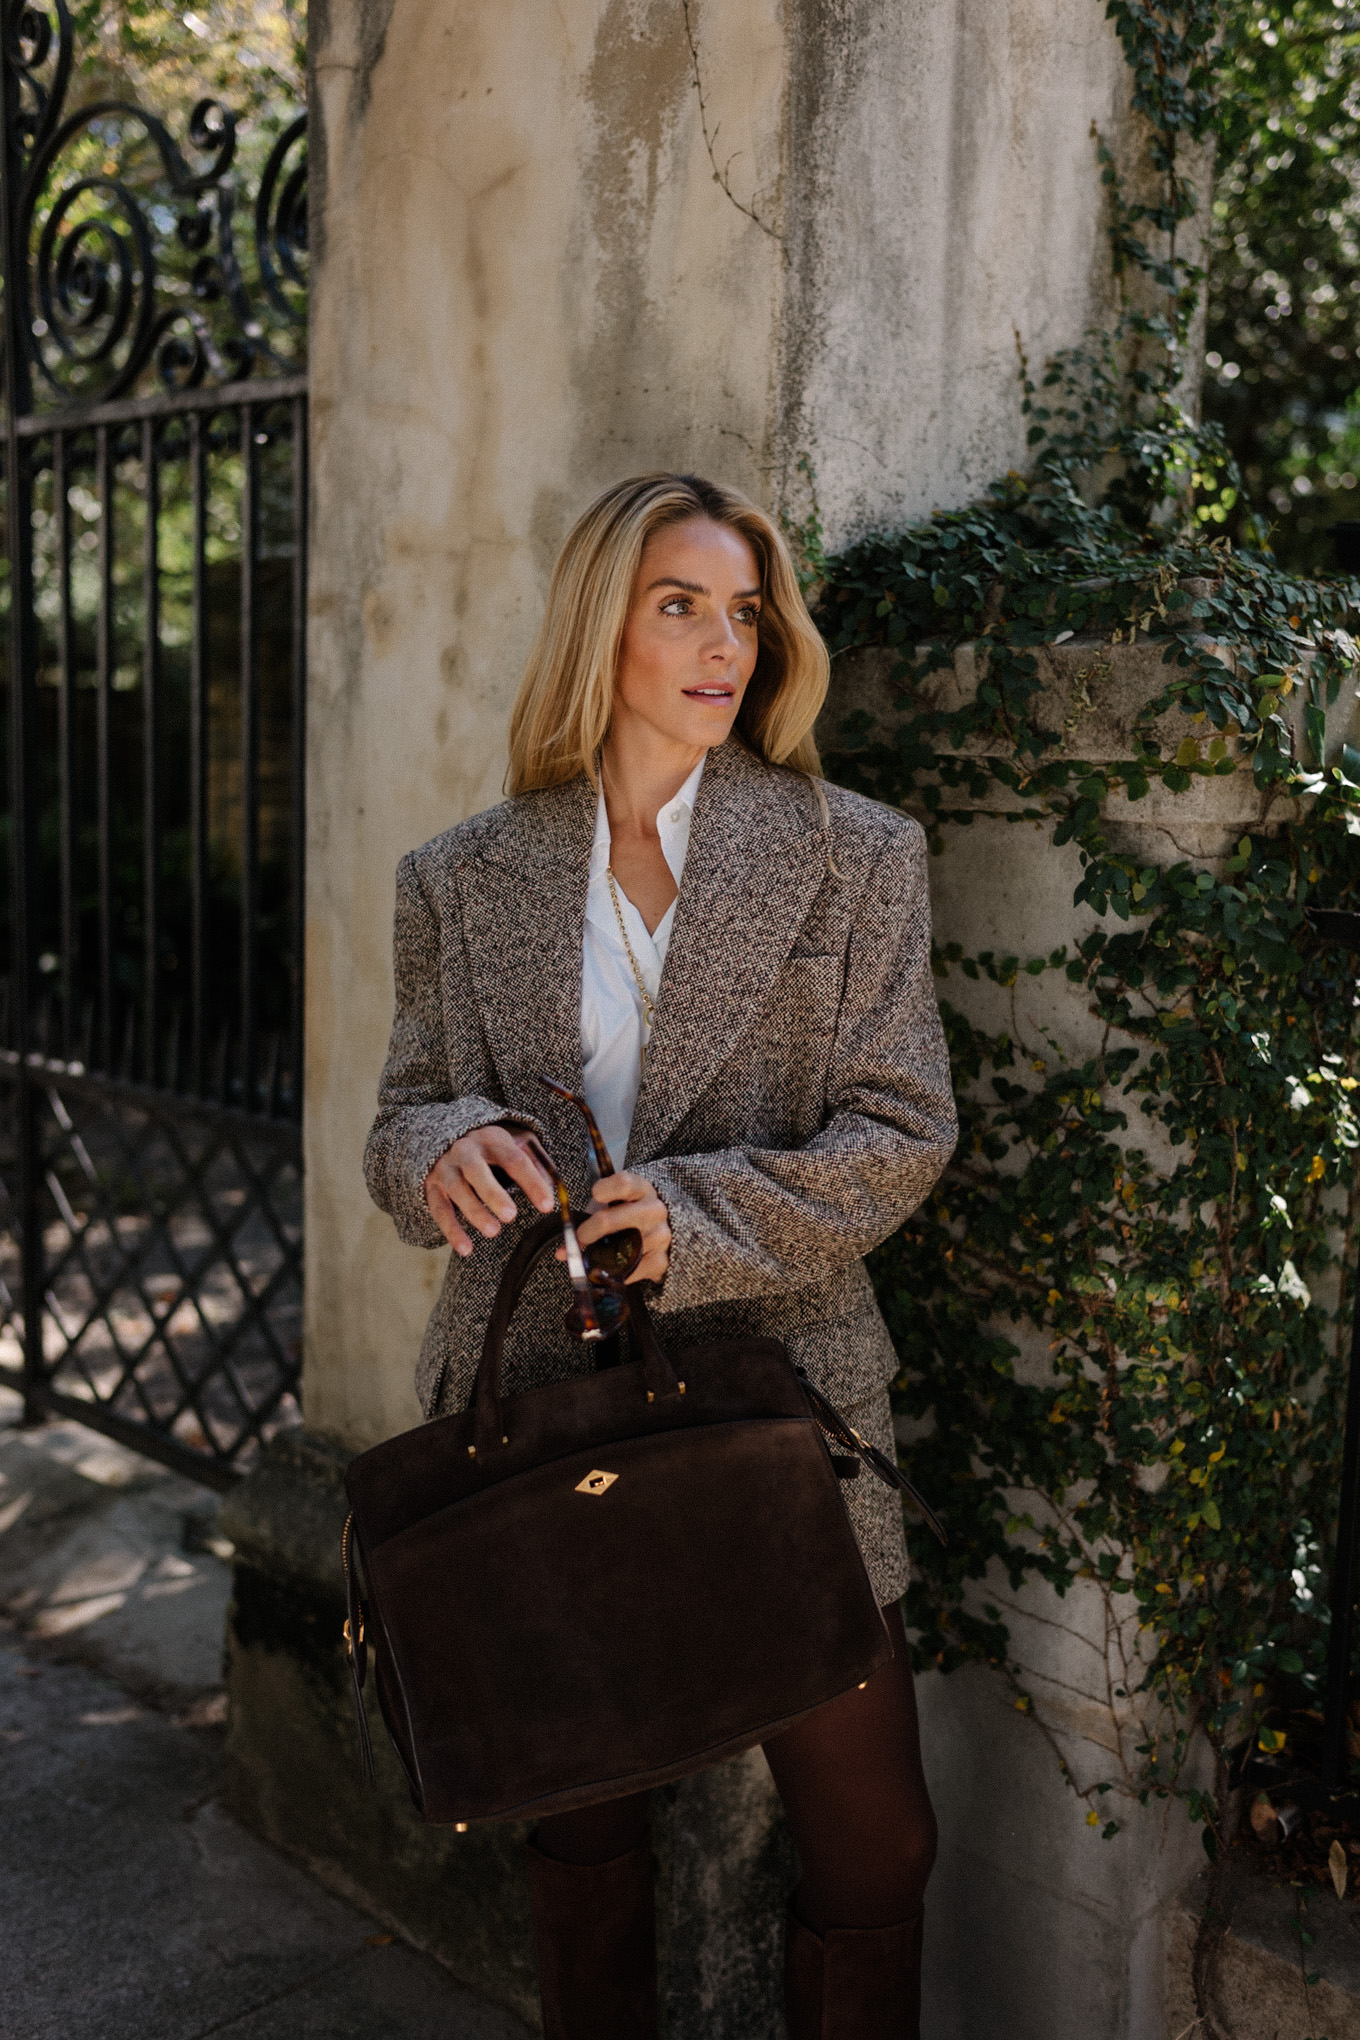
x=766, y=239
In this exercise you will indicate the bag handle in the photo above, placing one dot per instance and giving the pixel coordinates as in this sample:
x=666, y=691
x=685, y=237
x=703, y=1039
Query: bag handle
x=489, y=1430
x=837, y=1427
x=356, y=1646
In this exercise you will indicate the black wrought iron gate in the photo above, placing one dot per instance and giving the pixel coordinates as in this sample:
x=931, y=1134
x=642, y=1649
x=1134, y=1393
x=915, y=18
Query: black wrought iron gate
x=155, y=511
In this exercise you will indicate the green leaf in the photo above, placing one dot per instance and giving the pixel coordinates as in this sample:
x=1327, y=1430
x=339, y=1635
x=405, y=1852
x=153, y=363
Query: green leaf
x=1315, y=727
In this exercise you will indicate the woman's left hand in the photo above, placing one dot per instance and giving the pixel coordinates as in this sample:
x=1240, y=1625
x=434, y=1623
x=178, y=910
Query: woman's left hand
x=622, y=1203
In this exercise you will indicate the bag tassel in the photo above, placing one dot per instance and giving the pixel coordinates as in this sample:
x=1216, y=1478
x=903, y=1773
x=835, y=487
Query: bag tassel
x=357, y=1649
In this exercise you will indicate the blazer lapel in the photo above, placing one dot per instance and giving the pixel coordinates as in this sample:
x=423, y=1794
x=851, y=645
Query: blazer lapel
x=524, y=903
x=755, y=863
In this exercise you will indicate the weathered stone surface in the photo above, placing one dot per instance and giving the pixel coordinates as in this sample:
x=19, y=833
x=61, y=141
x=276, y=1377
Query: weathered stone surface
x=1035, y=1926
x=1092, y=695
x=725, y=1867
x=1253, y=1963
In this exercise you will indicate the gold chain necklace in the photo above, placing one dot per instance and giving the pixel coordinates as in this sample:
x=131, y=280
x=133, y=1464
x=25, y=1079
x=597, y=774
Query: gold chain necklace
x=648, y=1003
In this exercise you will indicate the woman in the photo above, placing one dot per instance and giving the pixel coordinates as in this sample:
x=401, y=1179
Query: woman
x=731, y=959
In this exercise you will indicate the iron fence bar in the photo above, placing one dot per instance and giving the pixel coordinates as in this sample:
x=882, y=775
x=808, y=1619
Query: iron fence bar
x=22, y=715
x=151, y=766
x=165, y=404
x=126, y=1276
x=250, y=754
x=104, y=480
x=156, y=1102
x=158, y=1110
x=255, y=1303
x=255, y=1315
x=215, y=1472
x=66, y=737
x=299, y=788
x=198, y=750
x=163, y=1116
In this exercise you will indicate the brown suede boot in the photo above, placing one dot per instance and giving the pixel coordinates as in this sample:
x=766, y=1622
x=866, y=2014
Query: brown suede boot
x=595, y=1933
x=853, y=1983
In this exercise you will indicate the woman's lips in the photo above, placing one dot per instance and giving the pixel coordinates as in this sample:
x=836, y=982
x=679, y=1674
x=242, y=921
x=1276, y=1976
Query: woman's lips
x=709, y=693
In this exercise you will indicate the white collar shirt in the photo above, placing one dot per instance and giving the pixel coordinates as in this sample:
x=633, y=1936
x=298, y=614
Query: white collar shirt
x=613, y=1030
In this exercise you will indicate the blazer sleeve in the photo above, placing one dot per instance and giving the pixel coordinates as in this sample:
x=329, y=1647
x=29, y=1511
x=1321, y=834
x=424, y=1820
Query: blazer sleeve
x=751, y=1221
x=436, y=1047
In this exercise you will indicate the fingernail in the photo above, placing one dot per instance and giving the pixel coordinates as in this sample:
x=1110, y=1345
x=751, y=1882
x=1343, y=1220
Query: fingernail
x=464, y=1250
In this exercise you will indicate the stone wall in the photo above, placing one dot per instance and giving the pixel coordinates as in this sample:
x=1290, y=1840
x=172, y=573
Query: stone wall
x=791, y=245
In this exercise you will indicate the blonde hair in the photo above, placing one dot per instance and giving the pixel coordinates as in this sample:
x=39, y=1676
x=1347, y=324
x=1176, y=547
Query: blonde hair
x=566, y=698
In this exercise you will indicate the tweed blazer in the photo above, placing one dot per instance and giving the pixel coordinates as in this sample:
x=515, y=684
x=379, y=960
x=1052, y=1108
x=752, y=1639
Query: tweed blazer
x=795, y=1106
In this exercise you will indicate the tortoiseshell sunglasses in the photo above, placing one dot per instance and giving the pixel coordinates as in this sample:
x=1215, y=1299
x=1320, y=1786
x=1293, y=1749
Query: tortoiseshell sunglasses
x=598, y=1272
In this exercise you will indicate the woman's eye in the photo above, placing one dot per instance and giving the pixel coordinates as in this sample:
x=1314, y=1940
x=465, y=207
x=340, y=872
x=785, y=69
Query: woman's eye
x=678, y=605
x=748, y=613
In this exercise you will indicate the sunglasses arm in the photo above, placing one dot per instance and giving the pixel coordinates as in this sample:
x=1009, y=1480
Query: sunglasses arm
x=602, y=1158
x=591, y=1327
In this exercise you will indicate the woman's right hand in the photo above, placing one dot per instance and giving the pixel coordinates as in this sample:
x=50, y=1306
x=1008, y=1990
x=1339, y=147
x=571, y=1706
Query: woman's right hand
x=460, y=1185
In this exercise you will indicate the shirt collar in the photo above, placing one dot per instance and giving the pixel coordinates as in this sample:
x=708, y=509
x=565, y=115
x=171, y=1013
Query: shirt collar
x=672, y=826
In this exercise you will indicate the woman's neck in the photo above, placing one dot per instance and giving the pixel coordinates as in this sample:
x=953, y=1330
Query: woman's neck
x=640, y=771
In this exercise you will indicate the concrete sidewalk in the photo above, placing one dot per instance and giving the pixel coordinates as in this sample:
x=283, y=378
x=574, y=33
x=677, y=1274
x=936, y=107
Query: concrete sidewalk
x=133, y=1908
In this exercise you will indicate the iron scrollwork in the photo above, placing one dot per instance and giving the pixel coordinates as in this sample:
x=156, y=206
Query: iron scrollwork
x=130, y=240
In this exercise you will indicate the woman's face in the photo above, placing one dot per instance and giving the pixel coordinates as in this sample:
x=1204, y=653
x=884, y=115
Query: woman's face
x=689, y=645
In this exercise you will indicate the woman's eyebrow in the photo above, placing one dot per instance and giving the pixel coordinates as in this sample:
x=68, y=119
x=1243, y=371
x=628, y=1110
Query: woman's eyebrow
x=697, y=588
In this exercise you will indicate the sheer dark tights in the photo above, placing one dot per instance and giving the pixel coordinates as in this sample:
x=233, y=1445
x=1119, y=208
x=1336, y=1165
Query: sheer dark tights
x=852, y=1785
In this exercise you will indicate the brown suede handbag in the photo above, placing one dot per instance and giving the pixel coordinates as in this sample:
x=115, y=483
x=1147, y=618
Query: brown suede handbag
x=609, y=1582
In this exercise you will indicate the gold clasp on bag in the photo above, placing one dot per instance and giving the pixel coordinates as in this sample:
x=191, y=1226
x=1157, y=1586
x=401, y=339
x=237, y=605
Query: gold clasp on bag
x=349, y=1640
x=595, y=1483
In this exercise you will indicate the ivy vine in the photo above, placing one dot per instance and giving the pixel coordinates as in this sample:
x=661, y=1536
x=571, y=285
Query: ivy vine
x=1168, y=1221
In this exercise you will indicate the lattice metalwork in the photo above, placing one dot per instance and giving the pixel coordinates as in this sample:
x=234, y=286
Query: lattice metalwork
x=171, y=1242
x=141, y=251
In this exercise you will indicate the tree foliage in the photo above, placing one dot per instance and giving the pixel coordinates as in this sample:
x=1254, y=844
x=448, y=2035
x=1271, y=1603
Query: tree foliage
x=249, y=53
x=1284, y=299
